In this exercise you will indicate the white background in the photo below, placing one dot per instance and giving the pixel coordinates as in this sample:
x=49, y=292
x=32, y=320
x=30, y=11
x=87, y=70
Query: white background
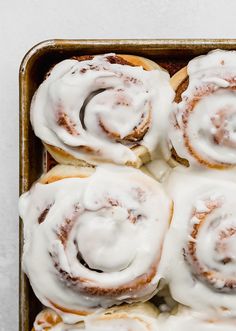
x=24, y=23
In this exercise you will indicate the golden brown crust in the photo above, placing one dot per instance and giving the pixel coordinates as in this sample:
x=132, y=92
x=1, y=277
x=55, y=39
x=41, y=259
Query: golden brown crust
x=124, y=310
x=178, y=159
x=179, y=82
x=69, y=311
x=62, y=157
x=135, y=60
x=47, y=319
x=61, y=171
x=50, y=319
x=83, y=57
x=178, y=78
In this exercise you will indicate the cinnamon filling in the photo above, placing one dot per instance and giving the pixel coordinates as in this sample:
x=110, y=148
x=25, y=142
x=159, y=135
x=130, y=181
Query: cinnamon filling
x=65, y=230
x=48, y=320
x=221, y=137
x=65, y=122
x=204, y=272
x=137, y=133
x=80, y=284
x=44, y=213
x=181, y=88
x=84, y=263
x=220, y=122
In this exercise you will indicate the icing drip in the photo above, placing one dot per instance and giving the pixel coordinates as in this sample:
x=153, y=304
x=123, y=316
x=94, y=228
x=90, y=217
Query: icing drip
x=96, y=110
x=186, y=320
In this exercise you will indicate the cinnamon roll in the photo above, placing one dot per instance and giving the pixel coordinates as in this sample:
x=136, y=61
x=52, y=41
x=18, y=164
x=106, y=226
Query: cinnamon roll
x=126, y=317
x=203, y=120
x=93, y=237
x=111, y=108
x=187, y=319
x=199, y=254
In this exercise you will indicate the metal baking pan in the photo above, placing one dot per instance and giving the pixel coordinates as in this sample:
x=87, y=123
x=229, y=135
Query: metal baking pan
x=170, y=54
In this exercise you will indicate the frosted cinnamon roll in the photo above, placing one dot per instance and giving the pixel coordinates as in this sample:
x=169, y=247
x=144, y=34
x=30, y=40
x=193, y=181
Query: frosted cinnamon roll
x=203, y=121
x=93, y=238
x=111, y=108
x=199, y=254
x=187, y=319
x=137, y=317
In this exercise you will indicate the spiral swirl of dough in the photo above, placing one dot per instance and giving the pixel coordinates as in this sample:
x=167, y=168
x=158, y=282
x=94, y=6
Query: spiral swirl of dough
x=102, y=109
x=203, y=122
x=200, y=248
x=93, y=240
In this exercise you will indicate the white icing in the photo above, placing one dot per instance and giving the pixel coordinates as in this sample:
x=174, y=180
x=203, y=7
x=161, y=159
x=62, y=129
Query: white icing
x=193, y=195
x=138, y=322
x=133, y=318
x=210, y=128
x=186, y=320
x=123, y=249
x=127, y=95
x=158, y=169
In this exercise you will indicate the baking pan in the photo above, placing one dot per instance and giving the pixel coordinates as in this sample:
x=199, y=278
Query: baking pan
x=170, y=54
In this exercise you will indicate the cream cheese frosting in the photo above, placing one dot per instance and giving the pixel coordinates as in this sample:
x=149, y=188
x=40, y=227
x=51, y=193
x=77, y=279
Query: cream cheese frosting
x=95, y=241
x=203, y=124
x=186, y=319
